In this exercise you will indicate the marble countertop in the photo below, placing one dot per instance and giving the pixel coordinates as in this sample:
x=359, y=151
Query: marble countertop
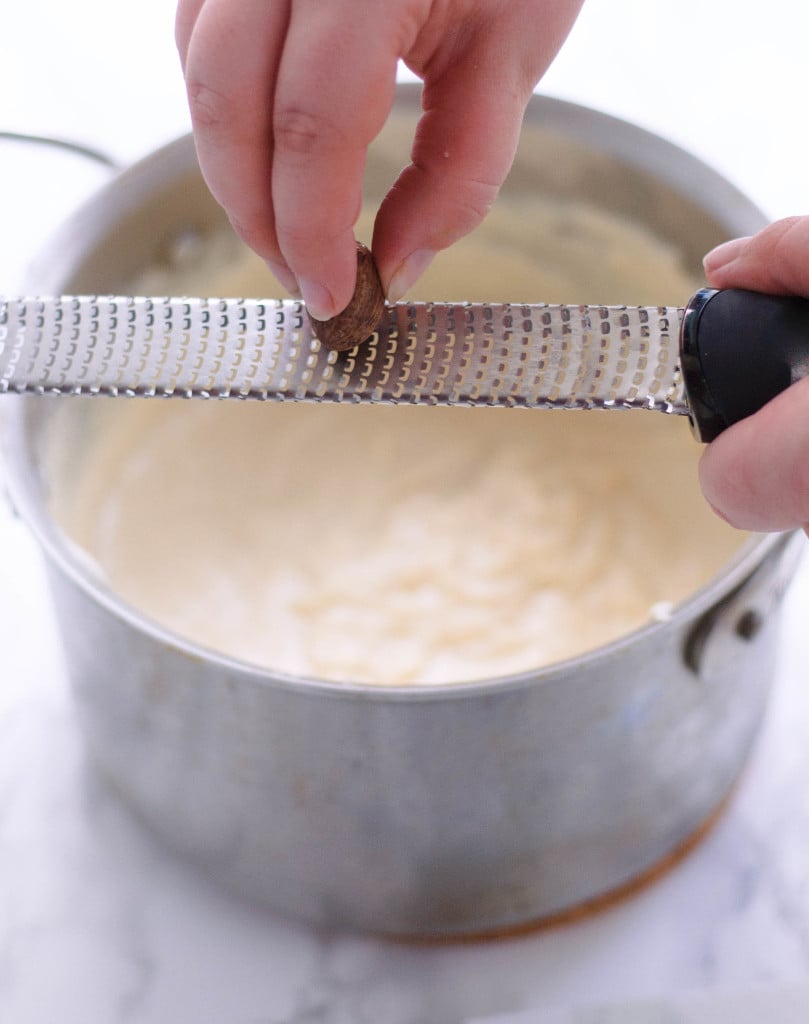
x=97, y=924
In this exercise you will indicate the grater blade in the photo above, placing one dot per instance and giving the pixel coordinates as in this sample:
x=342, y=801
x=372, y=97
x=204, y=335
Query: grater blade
x=422, y=353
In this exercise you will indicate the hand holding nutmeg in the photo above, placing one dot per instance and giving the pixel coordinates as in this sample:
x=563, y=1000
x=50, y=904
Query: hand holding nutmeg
x=361, y=316
x=287, y=97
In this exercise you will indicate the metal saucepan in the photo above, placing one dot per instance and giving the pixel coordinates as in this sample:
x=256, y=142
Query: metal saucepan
x=426, y=811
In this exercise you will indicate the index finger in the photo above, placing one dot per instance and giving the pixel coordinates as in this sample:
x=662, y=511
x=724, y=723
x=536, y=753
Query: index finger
x=774, y=260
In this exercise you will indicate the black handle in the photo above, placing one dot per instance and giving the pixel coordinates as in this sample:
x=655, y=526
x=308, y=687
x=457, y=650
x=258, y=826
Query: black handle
x=739, y=349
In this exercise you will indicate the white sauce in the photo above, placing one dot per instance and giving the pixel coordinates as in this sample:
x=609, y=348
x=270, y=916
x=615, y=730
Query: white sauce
x=401, y=545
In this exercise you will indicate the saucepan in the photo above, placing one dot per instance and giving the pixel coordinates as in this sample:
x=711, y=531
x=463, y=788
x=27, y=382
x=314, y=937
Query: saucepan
x=427, y=811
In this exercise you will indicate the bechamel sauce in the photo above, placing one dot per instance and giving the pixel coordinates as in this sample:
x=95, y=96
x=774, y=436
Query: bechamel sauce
x=406, y=545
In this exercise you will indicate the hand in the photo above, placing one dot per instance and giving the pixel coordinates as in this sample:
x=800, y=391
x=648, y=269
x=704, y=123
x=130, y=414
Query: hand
x=756, y=473
x=286, y=96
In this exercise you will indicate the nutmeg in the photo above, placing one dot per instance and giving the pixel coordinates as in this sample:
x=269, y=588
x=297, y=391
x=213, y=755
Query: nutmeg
x=361, y=316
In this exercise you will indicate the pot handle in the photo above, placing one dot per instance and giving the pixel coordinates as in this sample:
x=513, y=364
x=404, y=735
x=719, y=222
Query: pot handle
x=722, y=633
x=54, y=142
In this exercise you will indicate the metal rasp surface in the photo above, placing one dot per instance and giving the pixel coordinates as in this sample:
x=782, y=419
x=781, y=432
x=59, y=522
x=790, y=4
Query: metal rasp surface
x=706, y=360
x=478, y=354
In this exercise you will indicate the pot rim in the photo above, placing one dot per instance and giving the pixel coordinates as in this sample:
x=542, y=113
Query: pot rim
x=622, y=140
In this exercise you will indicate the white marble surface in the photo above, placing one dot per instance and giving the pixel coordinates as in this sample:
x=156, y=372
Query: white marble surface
x=97, y=924
x=785, y=1005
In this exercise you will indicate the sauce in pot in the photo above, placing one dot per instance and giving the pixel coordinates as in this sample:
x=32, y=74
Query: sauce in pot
x=407, y=545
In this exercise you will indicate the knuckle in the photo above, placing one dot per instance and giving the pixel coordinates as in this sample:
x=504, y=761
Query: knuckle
x=476, y=198
x=210, y=108
x=469, y=198
x=783, y=234
x=304, y=132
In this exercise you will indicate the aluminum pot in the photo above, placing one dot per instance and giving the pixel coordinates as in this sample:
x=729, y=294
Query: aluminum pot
x=435, y=811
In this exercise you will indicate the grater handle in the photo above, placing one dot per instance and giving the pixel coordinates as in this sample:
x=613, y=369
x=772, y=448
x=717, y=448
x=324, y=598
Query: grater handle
x=739, y=349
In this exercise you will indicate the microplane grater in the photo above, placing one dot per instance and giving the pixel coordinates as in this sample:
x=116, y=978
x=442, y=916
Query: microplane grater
x=533, y=356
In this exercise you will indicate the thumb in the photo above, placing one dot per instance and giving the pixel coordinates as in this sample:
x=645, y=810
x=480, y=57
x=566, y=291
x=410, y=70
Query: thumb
x=477, y=83
x=464, y=146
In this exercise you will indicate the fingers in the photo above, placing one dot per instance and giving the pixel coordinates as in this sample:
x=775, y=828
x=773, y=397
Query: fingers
x=286, y=96
x=477, y=85
x=756, y=474
x=231, y=55
x=463, y=150
x=774, y=261
x=285, y=99
x=334, y=92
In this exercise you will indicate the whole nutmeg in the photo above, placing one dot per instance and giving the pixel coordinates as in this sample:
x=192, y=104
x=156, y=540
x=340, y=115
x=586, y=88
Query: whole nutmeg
x=361, y=316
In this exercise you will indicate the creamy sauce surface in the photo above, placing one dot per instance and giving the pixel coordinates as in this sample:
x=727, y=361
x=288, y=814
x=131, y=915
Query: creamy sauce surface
x=406, y=545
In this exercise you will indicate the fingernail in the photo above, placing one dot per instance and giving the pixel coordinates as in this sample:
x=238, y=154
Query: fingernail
x=408, y=272
x=724, y=254
x=285, y=277
x=318, y=300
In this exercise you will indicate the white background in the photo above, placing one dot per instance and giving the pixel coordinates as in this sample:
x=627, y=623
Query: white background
x=99, y=926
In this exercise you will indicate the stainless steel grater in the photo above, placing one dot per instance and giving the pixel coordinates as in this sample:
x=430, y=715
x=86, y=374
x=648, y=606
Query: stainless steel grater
x=535, y=356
